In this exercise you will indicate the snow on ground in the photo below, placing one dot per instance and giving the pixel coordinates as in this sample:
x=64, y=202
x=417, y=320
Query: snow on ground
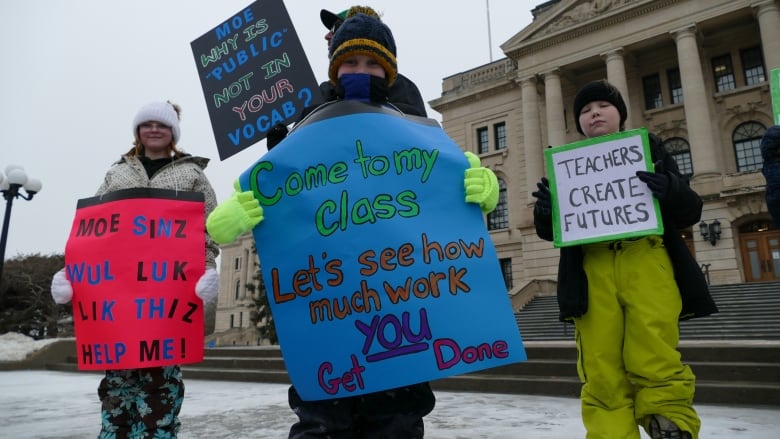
x=62, y=405
x=15, y=347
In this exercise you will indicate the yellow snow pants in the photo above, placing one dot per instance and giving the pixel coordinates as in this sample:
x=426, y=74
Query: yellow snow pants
x=627, y=342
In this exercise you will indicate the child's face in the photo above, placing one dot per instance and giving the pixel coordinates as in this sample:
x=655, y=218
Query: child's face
x=598, y=118
x=361, y=64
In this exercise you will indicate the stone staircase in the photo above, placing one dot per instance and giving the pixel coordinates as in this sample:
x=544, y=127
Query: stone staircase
x=728, y=372
x=735, y=354
x=747, y=312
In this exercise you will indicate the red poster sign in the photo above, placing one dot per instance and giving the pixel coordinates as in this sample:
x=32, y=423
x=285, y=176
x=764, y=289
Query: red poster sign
x=133, y=258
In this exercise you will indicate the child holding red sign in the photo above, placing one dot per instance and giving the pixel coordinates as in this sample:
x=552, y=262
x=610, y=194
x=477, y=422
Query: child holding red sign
x=362, y=67
x=625, y=298
x=146, y=402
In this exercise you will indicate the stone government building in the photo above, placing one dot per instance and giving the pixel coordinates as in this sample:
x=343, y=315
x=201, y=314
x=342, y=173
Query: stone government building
x=694, y=72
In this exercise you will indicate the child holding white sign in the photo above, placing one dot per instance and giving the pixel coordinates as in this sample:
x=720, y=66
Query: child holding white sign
x=363, y=64
x=625, y=297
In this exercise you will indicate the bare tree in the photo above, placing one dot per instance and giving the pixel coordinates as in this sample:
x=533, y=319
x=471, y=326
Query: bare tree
x=26, y=305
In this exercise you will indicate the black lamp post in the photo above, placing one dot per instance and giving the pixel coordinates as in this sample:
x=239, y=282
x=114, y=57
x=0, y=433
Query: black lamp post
x=10, y=184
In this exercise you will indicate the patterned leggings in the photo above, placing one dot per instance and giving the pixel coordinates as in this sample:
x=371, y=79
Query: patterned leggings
x=141, y=403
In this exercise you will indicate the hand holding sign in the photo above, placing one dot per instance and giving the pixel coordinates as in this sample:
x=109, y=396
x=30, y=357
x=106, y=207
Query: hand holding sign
x=207, y=287
x=61, y=289
x=236, y=215
x=657, y=181
x=481, y=184
x=543, y=203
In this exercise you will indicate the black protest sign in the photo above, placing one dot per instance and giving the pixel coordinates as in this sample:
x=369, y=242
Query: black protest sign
x=254, y=74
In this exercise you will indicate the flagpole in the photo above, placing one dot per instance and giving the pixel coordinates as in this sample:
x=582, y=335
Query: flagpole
x=490, y=39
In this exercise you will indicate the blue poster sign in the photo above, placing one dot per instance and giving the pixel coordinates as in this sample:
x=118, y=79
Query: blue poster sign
x=378, y=272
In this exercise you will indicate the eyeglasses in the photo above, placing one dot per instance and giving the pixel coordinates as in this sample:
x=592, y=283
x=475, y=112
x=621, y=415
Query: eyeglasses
x=154, y=125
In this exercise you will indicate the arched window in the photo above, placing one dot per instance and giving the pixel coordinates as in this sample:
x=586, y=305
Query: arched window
x=678, y=148
x=499, y=217
x=747, y=150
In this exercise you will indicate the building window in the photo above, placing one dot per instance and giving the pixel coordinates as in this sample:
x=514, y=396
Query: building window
x=506, y=270
x=499, y=217
x=753, y=65
x=238, y=288
x=724, y=73
x=232, y=321
x=499, y=132
x=237, y=264
x=241, y=319
x=482, y=140
x=747, y=140
x=652, y=87
x=675, y=86
x=679, y=148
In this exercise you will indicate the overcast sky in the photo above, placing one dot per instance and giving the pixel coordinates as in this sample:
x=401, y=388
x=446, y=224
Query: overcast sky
x=76, y=71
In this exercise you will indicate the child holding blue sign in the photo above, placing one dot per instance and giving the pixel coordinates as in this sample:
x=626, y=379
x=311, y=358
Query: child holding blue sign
x=625, y=297
x=363, y=64
x=770, y=152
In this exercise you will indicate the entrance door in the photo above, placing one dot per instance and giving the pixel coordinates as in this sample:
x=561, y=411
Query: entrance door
x=761, y=256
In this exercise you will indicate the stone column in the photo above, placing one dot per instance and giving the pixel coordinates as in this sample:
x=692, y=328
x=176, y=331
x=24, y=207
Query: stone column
x=769, y=22
x=697, y=107
x=553, y=95
x=616, y=75
x=532, y=136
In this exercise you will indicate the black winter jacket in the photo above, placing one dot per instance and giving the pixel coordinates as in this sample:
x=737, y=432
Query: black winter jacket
x=681, y=208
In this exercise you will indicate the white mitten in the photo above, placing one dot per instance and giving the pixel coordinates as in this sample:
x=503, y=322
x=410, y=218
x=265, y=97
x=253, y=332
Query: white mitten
x=207, y=287
x=61, y=289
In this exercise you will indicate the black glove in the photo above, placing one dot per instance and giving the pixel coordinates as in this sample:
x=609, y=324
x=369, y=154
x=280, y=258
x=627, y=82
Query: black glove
x=657, y=181
x=276, y=134
x=543, y=204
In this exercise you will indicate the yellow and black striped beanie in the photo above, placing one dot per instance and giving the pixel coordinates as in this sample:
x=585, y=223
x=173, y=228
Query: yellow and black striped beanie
x=363, y=34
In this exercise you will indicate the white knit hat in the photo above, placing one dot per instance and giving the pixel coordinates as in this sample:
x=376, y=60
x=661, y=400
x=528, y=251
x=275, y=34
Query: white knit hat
x=162, y=112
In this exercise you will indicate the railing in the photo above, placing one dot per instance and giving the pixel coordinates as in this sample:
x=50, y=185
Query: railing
x=705, y=268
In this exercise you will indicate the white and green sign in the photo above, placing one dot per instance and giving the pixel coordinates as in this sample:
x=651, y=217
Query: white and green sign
x=596, y=193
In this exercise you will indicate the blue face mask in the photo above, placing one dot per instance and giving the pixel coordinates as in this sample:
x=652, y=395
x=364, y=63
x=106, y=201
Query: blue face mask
x=364, y=87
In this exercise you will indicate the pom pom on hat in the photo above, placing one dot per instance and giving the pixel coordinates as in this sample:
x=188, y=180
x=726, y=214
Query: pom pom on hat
x=600, y=90
x=363, y=34
x=163, y=112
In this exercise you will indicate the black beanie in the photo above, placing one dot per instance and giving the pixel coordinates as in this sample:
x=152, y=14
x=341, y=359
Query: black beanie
x=362, y=34
x=600, y=90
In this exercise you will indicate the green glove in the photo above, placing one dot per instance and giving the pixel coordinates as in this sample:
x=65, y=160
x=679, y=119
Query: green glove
x=481, y=184
x=234, y=216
